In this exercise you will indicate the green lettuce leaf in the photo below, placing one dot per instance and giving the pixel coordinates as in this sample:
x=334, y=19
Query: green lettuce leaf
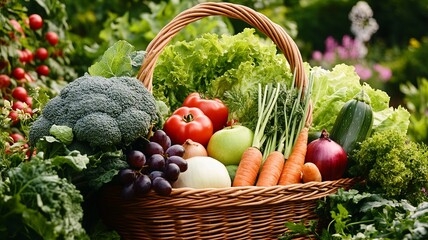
x=115, y=62
x=214, y=65
x=332, y=89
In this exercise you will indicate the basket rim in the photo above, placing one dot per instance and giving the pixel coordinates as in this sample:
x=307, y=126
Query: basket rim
x=246, y=196
x=236, y=11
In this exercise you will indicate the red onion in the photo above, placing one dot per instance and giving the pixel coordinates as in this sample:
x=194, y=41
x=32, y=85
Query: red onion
x=329, y=157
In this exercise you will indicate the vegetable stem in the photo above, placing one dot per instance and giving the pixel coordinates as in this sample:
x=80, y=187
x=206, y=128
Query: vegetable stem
x=266, y=103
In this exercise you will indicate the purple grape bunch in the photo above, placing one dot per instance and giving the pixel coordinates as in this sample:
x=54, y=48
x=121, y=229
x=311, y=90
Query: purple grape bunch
x=155, y=165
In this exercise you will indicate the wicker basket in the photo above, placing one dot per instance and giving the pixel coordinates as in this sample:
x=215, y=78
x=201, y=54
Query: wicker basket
x=227, y=213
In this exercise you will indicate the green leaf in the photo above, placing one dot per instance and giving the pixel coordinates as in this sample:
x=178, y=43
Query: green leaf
x=333, y=88
x=115, y=62
x=74, y=159
x=62, y=133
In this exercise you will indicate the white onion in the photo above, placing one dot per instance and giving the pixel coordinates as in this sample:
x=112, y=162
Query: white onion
x=203, y=172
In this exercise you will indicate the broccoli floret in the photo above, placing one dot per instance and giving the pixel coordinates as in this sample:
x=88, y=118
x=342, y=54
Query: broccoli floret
x=103, y=112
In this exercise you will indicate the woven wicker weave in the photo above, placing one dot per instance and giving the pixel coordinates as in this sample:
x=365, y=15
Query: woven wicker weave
x=227, y=213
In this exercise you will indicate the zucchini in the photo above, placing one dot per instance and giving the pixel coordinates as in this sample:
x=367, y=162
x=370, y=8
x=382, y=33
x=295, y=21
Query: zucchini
x=354, y=122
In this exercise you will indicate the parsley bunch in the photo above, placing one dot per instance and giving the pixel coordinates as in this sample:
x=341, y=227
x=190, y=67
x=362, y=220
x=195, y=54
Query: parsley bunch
x=393, y=165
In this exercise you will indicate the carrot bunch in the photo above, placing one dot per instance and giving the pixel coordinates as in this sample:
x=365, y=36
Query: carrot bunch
x=283, y=157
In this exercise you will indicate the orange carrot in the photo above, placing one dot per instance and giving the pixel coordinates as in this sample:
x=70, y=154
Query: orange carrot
x=311, y=173
x=271, y=170
x=248, y=168
x=292, y=170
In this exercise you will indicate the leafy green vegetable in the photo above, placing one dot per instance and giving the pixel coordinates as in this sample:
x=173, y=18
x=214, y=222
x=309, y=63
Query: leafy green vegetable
x=216, y=65
x=35, y=203
x=121, y=59
x=393, y=165
x=416, y=99
x=62, y=133
x=333, y=88
x=104, y=113
x=361, y=215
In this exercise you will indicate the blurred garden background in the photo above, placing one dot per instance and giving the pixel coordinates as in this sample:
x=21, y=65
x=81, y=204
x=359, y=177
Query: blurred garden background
x=386, y=41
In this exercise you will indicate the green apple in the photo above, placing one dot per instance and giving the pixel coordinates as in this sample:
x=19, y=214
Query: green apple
x=228, y=144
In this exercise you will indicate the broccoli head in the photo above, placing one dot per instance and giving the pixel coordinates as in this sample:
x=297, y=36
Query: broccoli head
x=103, y=112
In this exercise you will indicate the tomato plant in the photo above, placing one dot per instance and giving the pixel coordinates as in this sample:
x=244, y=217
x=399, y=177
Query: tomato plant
x=36, y=21
x=215, y=109
x=188, y=123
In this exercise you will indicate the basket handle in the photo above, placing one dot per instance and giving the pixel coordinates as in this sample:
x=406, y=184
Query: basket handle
x=272, y=30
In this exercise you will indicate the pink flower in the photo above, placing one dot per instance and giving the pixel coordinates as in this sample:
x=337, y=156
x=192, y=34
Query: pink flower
x=330, y=44
x=384, y=73
x=363, y=72
x=317, y=55
x=347, y=42
x=330, y=57
x=342, y=52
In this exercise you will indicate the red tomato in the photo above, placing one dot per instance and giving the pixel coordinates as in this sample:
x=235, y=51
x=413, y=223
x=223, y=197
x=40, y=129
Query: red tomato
x=36, y=21
x=30, y=55
x=18, y=73
x=29, y=101
x=43, y=70
x=188, y=123
x=20, y=93
x=16, y=137
x=4, y=81
x=23, y=56
x=18, y=105
x=42, y=53
x=13, y=115
x=213, y=108
x=52, y=38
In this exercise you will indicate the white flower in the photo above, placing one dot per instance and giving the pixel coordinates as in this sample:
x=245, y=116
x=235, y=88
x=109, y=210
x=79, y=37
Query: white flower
x=363, y=24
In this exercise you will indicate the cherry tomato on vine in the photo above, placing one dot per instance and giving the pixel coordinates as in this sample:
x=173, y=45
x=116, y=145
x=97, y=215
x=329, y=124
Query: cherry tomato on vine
x=43, y=70
x=52, y=38
x=188, y=123
x=18, y=105
x=42, y=53
x=213, y=108
x=16, y=137
x=20, y=94
x=36, y=21
x=4, y=81
x=13, y=115
x=18, y=73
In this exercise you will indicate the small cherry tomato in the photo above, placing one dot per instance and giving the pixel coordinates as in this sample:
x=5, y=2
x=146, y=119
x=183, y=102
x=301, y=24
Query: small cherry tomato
x=42, y=53
x=188, y=123
x=18, y=73
x=13, y=115
x=16, y=137
x=30, y=55
x=29, y=101
x=18, y=105
x=36, y=21
x=4, y=81
x=20, y=93
x=43, y=70
x=52, y=38
x=213, y=108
